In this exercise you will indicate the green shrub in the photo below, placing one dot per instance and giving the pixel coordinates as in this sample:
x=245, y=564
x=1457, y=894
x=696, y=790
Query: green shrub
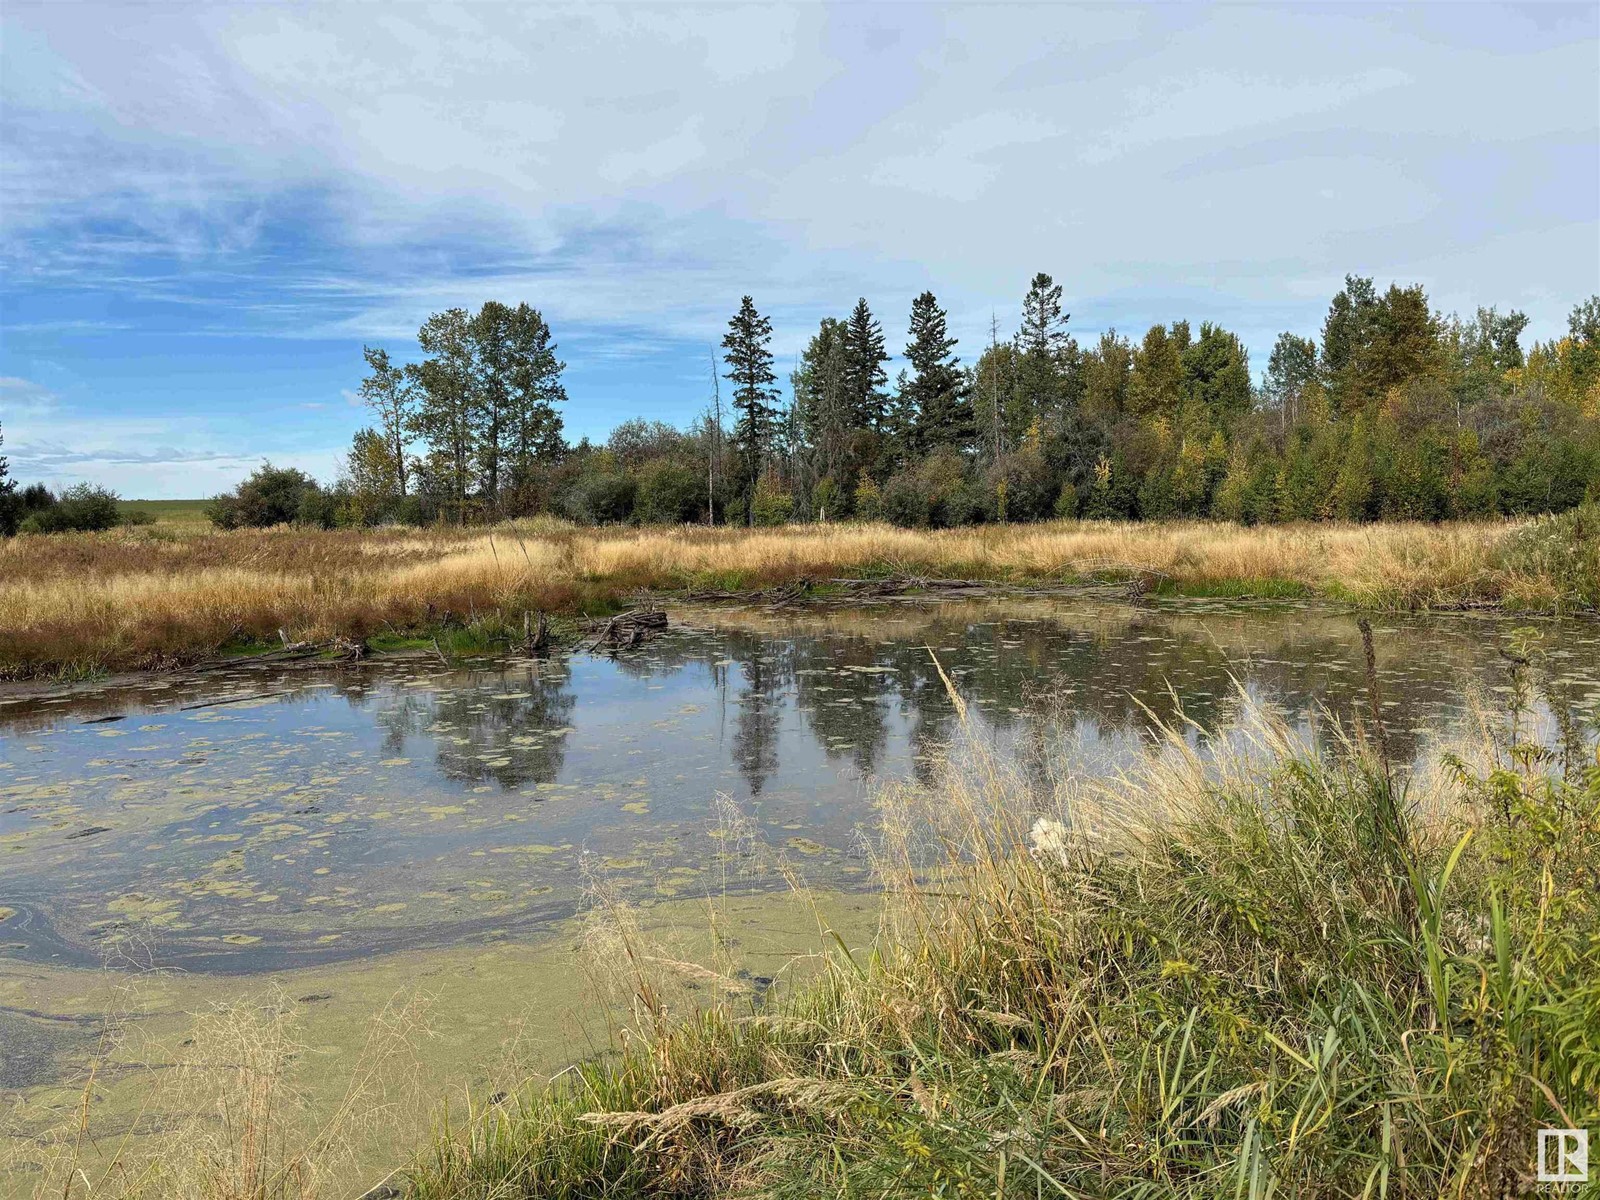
x=937, y=493
x=773, y=504
x=1067, y=501
x=669, y=494
x=270, y=496
x=827, y=499
x=904, y=503
x=320, y=509
x=81, y=508
x=869, y=500
x=1563, y=551
x=600, y=497
x=1031, y=487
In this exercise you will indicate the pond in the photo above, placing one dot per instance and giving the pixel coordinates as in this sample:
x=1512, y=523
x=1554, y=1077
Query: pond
x=264, y=818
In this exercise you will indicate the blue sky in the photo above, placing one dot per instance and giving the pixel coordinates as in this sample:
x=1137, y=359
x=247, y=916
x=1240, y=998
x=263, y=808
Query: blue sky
x=207, y=210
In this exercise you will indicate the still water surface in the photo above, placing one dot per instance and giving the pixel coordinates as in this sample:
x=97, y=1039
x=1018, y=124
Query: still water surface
x=264, y=818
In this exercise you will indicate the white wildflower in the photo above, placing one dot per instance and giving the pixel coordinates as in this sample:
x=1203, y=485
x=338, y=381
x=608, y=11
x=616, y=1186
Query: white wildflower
x=1050, y=839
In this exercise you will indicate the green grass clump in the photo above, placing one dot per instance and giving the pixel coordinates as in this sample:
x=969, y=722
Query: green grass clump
x=1555, y=562
x=1305, y=979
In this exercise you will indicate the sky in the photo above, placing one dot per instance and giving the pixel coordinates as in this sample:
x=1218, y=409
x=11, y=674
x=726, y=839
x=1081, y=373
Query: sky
x=206, y=211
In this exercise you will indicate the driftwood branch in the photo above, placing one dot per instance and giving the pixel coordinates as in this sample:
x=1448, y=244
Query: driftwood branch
x=535, y=638
x=625, y=630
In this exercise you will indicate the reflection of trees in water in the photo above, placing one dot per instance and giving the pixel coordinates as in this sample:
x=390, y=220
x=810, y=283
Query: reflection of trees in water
x=763, y=669
x=1027, y=676
x=479, y=736
x=1128, y=678
x=845, y=710
x=1118, y=677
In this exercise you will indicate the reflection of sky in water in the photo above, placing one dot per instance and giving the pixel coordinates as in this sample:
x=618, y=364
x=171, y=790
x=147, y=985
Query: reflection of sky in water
x=266, y=816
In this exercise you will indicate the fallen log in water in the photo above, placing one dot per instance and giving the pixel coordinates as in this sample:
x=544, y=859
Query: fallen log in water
x=625, y=630
x=903, y=583
x=788, y=593
x=293, y=654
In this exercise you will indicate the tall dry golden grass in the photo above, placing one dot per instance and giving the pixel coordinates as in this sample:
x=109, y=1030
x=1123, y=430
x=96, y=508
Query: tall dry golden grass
x=136, y=598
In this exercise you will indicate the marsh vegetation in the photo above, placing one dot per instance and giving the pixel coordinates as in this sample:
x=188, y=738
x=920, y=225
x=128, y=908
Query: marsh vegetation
x=78, y=604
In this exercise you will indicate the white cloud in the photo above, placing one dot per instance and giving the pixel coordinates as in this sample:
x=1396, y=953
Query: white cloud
x=24, y=398
x=975, y=140
x=51, y=440
x=338, y=171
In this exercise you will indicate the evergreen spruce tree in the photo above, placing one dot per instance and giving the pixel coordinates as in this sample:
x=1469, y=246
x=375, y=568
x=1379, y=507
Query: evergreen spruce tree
x=823, y=408
x=936, y=392
x=902, y=426
x=750, y=371
x=863, y=364
x=1044, y=325
x=1048, y=366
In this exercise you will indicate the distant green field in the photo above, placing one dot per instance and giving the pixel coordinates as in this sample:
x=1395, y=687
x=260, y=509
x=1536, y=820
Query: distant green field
x=170, y=512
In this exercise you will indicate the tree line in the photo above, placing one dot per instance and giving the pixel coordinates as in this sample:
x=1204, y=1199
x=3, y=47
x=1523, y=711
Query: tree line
x=1394, y=411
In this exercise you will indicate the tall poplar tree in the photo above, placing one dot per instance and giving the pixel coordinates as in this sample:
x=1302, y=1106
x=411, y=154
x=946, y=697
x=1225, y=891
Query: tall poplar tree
x=749, y=364
x=392, y=396
x=447, y=409
x=1291, y=371
x=489, y=340
x=1216, y=374
x=1403, y=342
x=1156, y=382
x=519, y=385
x=1106, y=370
x=993, y=382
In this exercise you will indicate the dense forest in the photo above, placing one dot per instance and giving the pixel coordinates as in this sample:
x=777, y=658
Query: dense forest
x=1393, y=412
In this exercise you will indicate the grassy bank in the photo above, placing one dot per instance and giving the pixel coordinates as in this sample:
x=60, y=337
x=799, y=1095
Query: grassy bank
x=1286, y=975
x=138, y=598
